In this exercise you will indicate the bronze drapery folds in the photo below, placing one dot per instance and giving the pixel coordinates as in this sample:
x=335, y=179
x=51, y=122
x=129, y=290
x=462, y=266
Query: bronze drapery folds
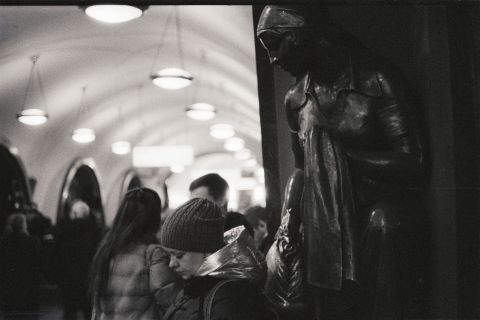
x=355, y=140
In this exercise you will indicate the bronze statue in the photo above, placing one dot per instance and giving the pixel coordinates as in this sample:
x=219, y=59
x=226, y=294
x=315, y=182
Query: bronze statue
x=355, y=140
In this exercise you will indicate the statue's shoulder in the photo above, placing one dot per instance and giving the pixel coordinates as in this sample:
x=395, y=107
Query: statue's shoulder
x=372, y=74
x=296, y=96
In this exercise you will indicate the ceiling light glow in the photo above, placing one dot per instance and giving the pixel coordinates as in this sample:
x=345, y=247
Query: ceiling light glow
x=121, y=147
x=222, y=131
x=113, y=13
x=32, y=117
x=201, y=111
x=83, y=135
x=234, y=144
x=243, y=154
x=172, y=79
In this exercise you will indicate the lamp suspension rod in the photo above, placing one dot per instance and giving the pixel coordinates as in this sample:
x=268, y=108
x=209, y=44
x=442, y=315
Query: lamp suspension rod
x=179, y=38
x=34, y=59
x=162, y=42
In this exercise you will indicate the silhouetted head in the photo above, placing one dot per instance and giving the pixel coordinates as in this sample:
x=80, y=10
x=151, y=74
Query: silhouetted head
x=17, y=223
x=212, y=187
x=79, y=210
x=138, y=216
x=297, y=37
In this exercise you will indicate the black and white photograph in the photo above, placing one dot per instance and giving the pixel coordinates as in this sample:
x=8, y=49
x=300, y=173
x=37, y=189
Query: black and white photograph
x=243, y=160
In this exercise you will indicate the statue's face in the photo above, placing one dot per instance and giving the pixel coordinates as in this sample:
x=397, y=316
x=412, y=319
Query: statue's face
x=283, y=50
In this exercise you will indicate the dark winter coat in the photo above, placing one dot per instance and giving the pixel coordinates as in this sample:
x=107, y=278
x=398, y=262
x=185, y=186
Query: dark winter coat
x=240, y=299
x=236, y=300
x=19, y=272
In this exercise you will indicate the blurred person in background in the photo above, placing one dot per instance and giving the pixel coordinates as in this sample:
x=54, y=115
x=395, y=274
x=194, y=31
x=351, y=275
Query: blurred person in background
x=130, y=278
x=214, y=188
x=77, y=238
x=257, y=217
x=20, y=267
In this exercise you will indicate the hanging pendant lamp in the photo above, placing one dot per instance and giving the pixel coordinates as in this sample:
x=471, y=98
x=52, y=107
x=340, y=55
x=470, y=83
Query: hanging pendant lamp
x=201, y=111
x=114, y=13
x=172, y=78
x=33, y=116
x=83, y=135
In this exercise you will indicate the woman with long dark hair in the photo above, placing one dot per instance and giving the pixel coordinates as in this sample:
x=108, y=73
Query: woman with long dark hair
x=130, y=278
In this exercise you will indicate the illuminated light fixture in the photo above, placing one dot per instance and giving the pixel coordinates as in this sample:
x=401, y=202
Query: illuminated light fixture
x=83, y=135
x=201, y=111
x=222, y=131
x=177, y=168
x=111, y=13
x=162, y=156
x=243, y=154
x=33, y=116
x=172, y=79
x=250, y=162
x=234, y=144
x=121, y=147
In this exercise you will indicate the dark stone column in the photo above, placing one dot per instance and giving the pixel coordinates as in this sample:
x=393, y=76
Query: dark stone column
x=268, y=122
x=464, y=72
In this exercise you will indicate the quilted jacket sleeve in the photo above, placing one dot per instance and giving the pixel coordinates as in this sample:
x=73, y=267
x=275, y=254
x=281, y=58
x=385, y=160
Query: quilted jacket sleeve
x=164, y=286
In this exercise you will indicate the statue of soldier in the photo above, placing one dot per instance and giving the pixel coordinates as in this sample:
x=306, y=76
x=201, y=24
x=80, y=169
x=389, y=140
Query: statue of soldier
x=356, y=143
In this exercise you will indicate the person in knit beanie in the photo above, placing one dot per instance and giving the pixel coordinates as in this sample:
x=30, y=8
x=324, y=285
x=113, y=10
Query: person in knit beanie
x=191, y=233
x=218, y=276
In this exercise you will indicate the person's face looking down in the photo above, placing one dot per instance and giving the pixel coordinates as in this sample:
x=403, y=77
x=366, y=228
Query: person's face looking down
x=185, y=264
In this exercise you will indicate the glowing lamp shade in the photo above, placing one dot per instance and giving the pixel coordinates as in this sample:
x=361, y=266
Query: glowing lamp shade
x=234, y=144
x=83, y=135
x=32, y=117
x=172, y=79
x=121, y=147
x=177, y=168
x=222, y=131
x=113, y=13
x=243, y=154
x=201, y=111
x=251, y=162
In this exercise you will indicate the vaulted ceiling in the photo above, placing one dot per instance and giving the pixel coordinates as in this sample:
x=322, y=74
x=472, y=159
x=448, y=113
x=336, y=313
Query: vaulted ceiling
x=114, y=63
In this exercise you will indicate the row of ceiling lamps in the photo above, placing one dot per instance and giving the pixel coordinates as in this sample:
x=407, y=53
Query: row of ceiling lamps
x=169, y=78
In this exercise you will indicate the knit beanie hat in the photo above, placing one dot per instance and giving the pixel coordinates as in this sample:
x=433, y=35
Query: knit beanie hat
x=196, y=226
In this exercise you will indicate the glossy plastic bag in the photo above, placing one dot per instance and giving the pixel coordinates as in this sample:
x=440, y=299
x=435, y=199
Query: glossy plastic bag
x=285, y=286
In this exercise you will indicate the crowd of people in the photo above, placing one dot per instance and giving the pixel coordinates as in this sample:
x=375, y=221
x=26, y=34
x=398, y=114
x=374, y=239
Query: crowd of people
x=199, y=261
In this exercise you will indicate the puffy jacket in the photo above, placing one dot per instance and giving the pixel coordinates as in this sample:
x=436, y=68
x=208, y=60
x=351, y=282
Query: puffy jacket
x=141, y=285
x=241, y=299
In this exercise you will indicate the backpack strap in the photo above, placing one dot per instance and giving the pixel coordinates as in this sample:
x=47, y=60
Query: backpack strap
x=208, y=302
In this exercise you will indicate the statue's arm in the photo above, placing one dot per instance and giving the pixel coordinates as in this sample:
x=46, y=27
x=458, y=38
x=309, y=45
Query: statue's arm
x=401, y=157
